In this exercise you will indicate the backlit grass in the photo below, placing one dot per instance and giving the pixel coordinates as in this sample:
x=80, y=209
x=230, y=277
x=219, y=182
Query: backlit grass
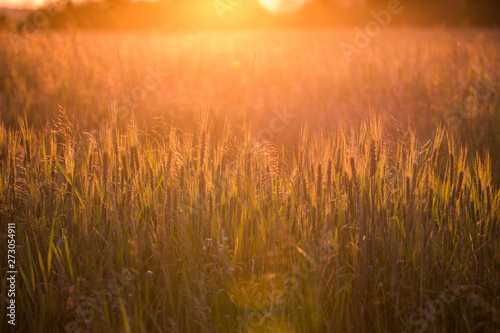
x=175, y=230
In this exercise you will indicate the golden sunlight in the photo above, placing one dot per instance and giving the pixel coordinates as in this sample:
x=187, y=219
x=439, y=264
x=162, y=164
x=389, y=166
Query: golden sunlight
x=282, y=6
x=264, y=166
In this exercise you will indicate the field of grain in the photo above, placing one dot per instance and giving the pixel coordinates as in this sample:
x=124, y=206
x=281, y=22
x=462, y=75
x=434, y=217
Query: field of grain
x=252, y=181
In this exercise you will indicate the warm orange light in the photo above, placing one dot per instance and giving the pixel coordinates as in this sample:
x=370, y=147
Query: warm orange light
x=282, y=6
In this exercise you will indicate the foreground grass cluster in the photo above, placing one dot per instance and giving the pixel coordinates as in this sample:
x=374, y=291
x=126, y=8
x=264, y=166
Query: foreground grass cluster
x=164, y=230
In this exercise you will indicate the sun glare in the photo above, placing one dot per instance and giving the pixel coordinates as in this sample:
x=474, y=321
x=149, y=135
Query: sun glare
x=282, y=6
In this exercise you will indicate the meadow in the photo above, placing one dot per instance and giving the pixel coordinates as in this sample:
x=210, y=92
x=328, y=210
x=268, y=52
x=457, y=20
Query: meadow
x=252, y=181
x=429, y=77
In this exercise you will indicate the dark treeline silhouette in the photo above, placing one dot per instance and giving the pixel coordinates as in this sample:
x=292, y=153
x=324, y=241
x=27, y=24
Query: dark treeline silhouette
x=220, y=14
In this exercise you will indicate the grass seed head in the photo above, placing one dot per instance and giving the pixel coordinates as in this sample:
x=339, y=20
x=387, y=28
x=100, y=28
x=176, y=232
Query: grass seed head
x=479, y=188
x=373, y=159
x=105, y=168
x=115, y=141
x=452, y=169
x=319, y=183
x=27, y=157
x=488, y=200
x=408, y=190
x=329, y=174
x=124, y=167
x=354, y=173
x=459, y=184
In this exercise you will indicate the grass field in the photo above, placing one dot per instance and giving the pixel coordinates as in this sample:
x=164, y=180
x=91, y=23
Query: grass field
x=251, y=182
x=427, y=76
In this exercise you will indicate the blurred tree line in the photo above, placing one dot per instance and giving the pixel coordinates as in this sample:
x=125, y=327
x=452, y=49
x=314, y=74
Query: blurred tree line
x=186, y=14
x=472, y=12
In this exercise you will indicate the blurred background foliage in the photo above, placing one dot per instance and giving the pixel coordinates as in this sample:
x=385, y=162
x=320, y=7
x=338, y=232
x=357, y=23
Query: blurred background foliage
x=201, y=14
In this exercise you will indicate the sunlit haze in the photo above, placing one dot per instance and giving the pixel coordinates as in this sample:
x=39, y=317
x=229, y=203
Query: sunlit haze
x=282, y=6
x=276, y=6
